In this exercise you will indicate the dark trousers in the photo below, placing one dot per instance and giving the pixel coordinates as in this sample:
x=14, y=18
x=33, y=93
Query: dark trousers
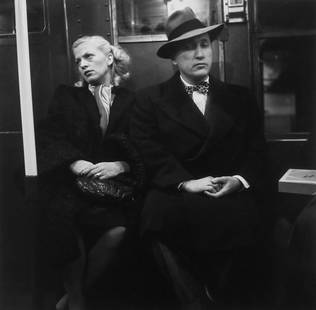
x=224, y=279
x=186, y=285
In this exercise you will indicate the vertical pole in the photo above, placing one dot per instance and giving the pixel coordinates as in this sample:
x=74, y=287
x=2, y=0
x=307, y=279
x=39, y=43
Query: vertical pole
x=221, y=44
x=30, y=166
x=221, y=61
x=113, y=20
x=133, y=20
x=25, y=87
x=67, y=38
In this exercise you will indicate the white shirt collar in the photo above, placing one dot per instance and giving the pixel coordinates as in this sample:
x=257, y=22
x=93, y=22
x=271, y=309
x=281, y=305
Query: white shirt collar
x=92, y=87
x=207, y=79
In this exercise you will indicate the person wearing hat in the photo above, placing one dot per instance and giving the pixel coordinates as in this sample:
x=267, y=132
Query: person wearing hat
x=203, y=146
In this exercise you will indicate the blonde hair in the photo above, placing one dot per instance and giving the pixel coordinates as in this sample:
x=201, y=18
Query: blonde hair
x=121, y=60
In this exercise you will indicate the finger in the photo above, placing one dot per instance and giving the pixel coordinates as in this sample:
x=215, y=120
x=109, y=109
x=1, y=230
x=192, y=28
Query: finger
x=209, y=186
x=214, y=195
x=223, y=191
x=210, y=194
x=217, y=187
x=210, y=189
x=98, y=175
x=100, y=164
x=89, y=174
x=219, y=180
x=86, y=170
x=93, y=171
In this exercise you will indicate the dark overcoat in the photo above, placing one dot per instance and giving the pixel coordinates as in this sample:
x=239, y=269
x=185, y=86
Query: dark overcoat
x=71, y=132
x=178, y=144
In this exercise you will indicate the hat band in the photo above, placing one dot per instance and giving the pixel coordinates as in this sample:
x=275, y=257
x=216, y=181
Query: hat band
x=190, y=25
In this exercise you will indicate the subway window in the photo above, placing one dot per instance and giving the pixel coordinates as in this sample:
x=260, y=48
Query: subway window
x=35, y=12
x=286, y=48
x=137, y=17
x=288, y=78
x=287, y=15
x=6, y=17
x=144, y=20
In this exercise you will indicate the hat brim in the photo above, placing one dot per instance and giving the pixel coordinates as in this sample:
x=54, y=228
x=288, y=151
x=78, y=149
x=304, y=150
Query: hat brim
x=167, y=49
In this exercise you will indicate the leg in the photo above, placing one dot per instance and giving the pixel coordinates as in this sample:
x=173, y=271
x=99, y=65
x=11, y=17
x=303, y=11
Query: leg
x=187, y=288
x=102, y=254
x=74, y=274
x=83, y=273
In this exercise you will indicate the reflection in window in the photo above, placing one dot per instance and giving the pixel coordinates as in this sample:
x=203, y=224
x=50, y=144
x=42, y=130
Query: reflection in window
x=288, y=75
x=137, y=17
x=35, y=14
x=200, y=7
x=148, y=17
x=235, y=2
x=287, y=14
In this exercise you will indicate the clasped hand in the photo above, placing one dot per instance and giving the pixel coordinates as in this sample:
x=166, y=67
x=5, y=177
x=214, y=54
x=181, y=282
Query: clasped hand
x=213, y=187
x=101, y=170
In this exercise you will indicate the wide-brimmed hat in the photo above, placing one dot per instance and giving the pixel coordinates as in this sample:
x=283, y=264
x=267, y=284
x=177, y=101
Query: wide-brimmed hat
x=182, y=25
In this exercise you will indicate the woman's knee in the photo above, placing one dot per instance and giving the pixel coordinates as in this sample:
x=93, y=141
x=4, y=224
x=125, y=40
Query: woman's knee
x=114, y=236
x=117, y=231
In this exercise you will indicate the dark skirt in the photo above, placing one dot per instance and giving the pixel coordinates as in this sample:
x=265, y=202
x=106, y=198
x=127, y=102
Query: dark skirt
x=70, y=214
x=94, y=221
x=197, y=223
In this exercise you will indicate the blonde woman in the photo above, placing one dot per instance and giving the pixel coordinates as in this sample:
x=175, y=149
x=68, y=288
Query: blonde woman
x=71, y=142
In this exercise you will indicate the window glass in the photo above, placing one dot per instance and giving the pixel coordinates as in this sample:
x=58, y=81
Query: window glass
x=287, y=14
x=289, y=79
x=137, y=17
x=6, y=17
x=35, y=14
x=148, y=17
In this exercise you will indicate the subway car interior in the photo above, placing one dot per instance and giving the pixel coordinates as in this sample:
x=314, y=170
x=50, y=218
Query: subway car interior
x=268, y=46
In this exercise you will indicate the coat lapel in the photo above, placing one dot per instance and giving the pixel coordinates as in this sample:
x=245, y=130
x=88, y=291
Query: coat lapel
x=180, y=106
x=118, y=107
x=220, y=122
x=89, y=102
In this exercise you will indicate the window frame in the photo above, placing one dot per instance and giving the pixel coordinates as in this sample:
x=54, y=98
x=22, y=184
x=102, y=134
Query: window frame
x=43, y=30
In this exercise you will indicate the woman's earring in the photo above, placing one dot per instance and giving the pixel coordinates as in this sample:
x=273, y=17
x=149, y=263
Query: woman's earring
x=111, y=58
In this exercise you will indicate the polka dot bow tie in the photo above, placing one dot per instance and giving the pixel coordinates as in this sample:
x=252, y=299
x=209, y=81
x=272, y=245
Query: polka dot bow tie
x=201, y=88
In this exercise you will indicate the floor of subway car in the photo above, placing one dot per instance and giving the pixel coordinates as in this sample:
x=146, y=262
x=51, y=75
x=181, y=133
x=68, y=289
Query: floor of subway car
x=125, y=287
x=134, y=283
x=135, y=291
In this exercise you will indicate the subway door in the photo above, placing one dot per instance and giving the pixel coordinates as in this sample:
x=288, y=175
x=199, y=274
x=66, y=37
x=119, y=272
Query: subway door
x=49, y=66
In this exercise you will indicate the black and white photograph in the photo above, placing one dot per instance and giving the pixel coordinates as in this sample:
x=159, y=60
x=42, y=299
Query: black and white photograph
x=158, y=155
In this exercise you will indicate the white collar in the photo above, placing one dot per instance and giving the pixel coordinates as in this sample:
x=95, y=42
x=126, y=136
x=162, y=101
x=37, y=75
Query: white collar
x=92, y=87
x=207, y=79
